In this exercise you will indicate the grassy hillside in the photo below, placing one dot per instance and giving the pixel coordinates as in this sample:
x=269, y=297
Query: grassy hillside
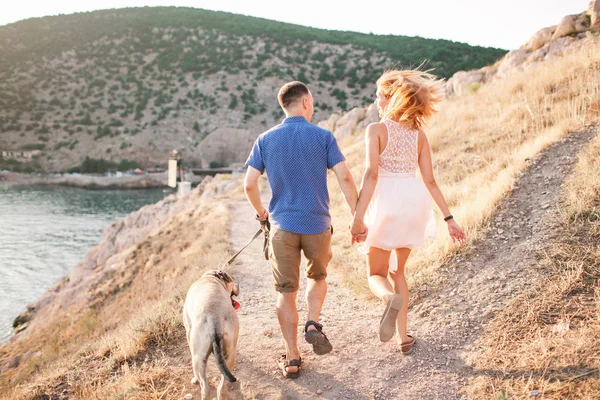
x=134, y=83
x=482, y=142
x=526, y=336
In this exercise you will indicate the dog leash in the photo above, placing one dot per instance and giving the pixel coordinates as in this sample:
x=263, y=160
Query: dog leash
x=257, y=234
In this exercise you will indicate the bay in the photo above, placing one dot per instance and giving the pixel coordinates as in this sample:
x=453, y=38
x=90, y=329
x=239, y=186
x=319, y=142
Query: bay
x=46, y=231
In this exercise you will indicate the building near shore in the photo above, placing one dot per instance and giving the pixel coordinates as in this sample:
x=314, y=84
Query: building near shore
x=28, y=154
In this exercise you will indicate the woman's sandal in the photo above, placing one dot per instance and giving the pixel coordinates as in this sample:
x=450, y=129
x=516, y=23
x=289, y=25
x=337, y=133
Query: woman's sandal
x=387, y=325
x=284, y=364
x=407, y=348
x=317, y=338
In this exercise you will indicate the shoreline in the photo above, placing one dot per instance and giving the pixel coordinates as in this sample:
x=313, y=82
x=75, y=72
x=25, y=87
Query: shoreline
x=93, y=182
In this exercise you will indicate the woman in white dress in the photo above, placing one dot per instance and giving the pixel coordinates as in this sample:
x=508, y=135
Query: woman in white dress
x=394, y=213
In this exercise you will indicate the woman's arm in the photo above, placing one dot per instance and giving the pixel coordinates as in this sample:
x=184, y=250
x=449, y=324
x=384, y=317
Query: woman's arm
x=426, y=168
x=369, y=180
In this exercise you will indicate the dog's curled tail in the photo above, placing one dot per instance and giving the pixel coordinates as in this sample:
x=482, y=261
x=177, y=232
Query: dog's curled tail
x=218, y=352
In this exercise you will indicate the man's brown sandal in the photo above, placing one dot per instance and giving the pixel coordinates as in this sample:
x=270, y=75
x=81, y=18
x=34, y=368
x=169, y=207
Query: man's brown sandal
x=284, y=364
x=317, y=338
x=407, y=348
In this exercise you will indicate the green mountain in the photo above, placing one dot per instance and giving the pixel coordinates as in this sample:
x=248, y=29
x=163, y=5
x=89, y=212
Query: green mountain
x=134, y=83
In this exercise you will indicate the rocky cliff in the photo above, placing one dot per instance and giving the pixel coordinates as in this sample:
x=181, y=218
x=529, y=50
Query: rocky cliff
x=570, y=34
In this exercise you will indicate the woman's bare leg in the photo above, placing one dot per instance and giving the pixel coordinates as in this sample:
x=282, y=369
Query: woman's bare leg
x=377, y=270
x=399, y=285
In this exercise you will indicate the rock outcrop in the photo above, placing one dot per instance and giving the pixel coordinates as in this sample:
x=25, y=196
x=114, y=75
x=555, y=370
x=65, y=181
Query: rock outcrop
x=546, y=44
x=346, y=125
x=329, y=123
x=226, y=146
x=569, y=25
x=351, y=123
x=466, y=81
x=371, y=115
x=594, y=12
x=539, y=39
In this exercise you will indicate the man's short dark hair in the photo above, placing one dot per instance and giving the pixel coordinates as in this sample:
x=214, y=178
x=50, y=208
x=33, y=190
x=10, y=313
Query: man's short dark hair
x=291, y=92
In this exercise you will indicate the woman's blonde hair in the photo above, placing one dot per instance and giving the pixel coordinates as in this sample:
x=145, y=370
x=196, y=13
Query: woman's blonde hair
x=412, y=95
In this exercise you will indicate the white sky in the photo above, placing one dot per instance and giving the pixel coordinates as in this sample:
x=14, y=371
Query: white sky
x=506, y=24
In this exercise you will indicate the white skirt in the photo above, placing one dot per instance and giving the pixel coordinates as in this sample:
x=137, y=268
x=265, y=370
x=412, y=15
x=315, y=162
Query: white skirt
x=400, y=215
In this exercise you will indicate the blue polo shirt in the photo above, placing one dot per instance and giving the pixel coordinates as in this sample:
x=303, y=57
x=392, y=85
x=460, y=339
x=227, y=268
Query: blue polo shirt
x=296, y=156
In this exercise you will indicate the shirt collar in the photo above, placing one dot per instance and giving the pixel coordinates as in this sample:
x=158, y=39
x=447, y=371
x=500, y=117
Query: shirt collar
x=295, y=119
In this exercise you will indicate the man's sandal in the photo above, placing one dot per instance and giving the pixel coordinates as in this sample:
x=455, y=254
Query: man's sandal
x=387, y=325
x=284, y=364
x=317, y=338
x=407, y=348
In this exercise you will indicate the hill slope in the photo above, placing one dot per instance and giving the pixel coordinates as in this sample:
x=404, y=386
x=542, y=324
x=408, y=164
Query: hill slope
x=135, y=83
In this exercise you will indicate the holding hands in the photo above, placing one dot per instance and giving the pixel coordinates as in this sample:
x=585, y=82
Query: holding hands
x=358, y=229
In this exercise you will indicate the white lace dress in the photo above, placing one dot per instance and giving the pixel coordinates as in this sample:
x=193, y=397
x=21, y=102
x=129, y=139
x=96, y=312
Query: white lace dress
x=400, y=213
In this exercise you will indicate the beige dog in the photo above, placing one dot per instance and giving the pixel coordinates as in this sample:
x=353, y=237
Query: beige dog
x=212, y=325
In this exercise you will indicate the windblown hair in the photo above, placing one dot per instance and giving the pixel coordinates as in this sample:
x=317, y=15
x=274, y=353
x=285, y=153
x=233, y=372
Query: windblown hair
x=291, y=92
x=412, y=95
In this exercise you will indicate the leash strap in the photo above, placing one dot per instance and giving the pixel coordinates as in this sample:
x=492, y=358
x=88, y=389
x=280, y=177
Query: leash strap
x=232, y=259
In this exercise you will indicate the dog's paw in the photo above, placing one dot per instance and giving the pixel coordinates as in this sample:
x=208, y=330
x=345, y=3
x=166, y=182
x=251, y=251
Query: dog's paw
x=194, y=381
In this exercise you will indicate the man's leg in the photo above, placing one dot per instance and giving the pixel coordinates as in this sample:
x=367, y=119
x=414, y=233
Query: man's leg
x=316, y=289
x=317, y=249
x=287, y=314
x=284, y=255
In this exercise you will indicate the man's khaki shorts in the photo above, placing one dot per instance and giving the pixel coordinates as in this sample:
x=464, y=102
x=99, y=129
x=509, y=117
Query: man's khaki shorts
x=284, y=254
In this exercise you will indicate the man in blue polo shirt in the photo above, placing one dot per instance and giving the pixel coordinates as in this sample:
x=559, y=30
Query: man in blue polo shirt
x=296, y=156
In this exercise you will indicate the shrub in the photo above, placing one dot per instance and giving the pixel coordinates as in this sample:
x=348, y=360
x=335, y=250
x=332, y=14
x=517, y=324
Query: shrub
x=42, y=130
x=86, y=120
x=100, y=166
x=216, y=164
x=100, y=83
x=34, y=146
x=474, y=87
x=233, y=102
x=59, y=145
x=102, y=131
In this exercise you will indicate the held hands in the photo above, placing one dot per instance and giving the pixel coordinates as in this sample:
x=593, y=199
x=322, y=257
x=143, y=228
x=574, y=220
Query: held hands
x=456, y=233
x=358, y=229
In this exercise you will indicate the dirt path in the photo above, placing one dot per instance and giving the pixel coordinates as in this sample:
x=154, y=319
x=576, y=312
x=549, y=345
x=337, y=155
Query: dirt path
x=446, y=319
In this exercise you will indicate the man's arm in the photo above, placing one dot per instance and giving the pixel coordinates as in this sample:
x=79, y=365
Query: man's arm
x=252, y=192
x=346, y=182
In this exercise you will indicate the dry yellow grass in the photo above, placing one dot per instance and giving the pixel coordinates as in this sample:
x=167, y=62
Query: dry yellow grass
x=480, y=145
x=118, y=348
x=547, y=339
